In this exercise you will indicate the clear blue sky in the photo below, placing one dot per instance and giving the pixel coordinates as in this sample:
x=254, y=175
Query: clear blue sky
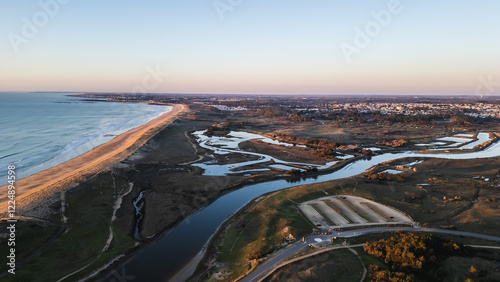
x=254, y=46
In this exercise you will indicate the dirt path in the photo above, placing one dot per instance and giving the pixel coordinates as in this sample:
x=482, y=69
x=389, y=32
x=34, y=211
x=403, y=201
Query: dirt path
x=279, y=258
x=362, y=264
x=41, y=185
x=116, y=206
x=484, y=247
x=200, y=157
x=263, y=270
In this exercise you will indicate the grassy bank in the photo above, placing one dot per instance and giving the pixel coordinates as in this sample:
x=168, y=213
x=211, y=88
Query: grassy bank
x=89, y=209
x=336, y=265
x=452, y=199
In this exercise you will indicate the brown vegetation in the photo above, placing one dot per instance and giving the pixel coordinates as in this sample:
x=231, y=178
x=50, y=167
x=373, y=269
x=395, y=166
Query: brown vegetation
x=395, y=143
x=276, y=111
x=318, y=143
x=385, y=176
x=376, y=275
x=410, y=254
x=223, y=128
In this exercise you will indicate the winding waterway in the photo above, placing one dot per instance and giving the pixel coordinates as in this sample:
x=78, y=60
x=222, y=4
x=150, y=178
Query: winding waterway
x=161, y=260
x=138, y=204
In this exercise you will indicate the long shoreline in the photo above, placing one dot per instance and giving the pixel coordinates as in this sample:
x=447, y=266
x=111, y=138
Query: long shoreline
x=34, y=188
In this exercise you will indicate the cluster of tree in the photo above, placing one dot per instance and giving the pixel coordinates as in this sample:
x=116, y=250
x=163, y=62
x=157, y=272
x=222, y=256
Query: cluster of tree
x=273, y=111
x=295, y=117
x=278, y=111
x=385, y=176
x=375, y=117
x=324, y=153
x=299, y=179
x=299, y=172
x=460, y=119
x=366, y=152
x=411, y=254
x=224, y=127
x=328, y=153
x=455, y=117
x=406, y=251
x=294, y=172
x=395, y=143
x=323, y=143
x=378, y=275
x=414, y=197
x=289, y=139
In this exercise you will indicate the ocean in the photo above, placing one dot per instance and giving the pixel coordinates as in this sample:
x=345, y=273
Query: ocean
x=41, y=130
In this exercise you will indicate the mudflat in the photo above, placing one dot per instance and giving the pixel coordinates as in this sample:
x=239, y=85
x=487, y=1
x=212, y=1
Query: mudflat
x=43, y=184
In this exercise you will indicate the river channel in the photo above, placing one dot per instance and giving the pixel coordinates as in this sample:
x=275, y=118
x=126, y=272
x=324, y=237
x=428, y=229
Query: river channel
x=165, y=257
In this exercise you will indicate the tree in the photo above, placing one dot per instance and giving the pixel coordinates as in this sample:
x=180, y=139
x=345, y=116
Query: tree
x=378, y=275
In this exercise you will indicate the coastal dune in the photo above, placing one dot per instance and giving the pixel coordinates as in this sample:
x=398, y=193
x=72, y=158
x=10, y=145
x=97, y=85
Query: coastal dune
x=34, y=188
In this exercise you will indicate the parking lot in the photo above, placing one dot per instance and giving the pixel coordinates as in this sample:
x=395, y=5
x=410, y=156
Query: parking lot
x=348, y=211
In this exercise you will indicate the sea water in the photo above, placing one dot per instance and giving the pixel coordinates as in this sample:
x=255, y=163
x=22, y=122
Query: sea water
x=41, y=130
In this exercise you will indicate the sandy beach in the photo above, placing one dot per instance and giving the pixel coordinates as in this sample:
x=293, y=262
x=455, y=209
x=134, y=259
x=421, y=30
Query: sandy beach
x=38, y=186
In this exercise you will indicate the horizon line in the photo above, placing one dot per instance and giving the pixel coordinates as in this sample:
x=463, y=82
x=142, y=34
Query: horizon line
x=249, y=94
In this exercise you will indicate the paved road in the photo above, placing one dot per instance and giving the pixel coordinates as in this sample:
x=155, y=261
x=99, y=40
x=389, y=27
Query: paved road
x=319, y=240
x=270, y=263
x=483, y=247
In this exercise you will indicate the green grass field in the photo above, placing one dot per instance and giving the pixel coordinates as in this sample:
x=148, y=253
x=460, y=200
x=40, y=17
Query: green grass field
x=257, y=230
x=89, y=211
x=336, y=265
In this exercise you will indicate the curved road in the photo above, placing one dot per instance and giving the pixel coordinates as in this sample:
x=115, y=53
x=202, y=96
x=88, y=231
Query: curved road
x=271, y=263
